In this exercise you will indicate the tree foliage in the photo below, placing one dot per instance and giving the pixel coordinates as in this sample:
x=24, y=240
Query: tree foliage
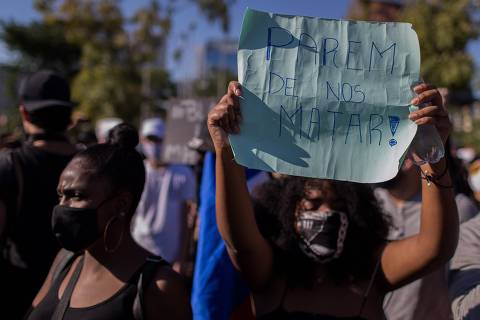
x=42, y=46
x=216, y=10
x=444, y=29
x=111, y=59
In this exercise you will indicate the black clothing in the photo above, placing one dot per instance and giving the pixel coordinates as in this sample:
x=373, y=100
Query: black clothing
x=30, y=246
x=120, y=306
x=44, y=89
x=281, y=314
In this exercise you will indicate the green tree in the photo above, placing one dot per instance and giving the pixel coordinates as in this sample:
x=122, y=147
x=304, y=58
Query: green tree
x=110, y=58
x=444, y=29
x=42, y=46
x=109, y=80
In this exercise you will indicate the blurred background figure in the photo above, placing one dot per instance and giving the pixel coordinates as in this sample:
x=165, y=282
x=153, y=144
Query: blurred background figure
x=103, y=126
x=464, y=281
x=161, y=220
x=466, y=154
x=401, y=199
x=28, y=178
x=474, y=178
x=9, y=140
x=82, y=131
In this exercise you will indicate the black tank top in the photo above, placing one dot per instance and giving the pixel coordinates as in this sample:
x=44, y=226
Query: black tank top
x=117, y=307
x=281, y=314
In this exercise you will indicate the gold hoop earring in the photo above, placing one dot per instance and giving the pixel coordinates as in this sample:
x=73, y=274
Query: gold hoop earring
x=109, y=223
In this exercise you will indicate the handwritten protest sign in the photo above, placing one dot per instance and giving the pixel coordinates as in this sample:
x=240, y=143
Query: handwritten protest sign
x=325, y=98
x=185, y=126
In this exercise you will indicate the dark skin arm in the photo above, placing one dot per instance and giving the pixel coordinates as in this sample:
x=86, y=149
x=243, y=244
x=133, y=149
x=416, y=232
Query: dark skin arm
x=167, y=297
x=179, y=266
x=406, y=260
x=3, y=217
x=249, y=251
x=402, y=261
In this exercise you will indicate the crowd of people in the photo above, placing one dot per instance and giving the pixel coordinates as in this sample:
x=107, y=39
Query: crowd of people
x=103, y=230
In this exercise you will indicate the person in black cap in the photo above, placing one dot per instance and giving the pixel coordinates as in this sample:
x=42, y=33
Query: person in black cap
x=28, y=178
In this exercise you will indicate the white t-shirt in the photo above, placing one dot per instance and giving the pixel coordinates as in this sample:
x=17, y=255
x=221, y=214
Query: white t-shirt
x=157, y=222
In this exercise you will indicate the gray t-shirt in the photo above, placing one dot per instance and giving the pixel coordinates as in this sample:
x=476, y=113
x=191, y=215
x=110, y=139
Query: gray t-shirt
x=465, y=273
x=423, y=299
x=467, y=209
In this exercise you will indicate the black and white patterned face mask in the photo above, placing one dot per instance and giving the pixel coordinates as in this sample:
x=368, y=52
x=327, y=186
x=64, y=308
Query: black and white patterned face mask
x=322, y=234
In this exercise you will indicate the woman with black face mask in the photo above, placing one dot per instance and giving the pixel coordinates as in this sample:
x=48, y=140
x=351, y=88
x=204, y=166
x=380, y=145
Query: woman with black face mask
x=317, y=249
x=102, y=273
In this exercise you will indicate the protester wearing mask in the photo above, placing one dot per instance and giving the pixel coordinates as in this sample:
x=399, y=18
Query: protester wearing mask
x=474, y=178
x=317, y=248
x=103, y=273
x=160, y=224
x=28, y=179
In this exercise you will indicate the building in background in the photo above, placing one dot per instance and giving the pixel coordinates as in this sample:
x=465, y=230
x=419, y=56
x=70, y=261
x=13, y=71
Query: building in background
x=217, y=55
x=216, y=65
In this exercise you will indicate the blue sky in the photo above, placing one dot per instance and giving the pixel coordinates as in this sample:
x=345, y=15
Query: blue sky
x=22, y=11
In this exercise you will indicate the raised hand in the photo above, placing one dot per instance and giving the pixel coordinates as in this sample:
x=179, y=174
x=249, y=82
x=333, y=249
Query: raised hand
x=434, y=113
x=225, y=117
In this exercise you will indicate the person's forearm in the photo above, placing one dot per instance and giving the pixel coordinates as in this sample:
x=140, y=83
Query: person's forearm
x=3, y=217
x=235, y=216
x=185, y=240
x=439, y=221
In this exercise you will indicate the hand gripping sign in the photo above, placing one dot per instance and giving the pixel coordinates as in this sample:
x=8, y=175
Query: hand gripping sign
x=325, y=98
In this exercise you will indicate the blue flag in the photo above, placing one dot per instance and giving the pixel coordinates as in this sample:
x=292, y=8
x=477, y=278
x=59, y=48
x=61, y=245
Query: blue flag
x=218, y=289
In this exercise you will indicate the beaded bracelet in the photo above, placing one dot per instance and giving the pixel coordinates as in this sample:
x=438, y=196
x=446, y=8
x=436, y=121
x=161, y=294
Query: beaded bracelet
x=434, y=179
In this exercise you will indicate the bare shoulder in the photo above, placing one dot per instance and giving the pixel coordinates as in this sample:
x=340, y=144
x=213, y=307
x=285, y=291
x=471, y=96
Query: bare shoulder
x=167, y=296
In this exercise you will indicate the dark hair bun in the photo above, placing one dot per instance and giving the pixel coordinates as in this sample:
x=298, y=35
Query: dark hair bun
x=123, y=135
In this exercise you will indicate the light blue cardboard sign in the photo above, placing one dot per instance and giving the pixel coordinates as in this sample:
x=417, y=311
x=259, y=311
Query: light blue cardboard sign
x=325, y=98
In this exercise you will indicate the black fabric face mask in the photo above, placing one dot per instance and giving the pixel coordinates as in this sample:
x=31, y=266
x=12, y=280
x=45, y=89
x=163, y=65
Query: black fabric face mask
x=322, y=234
x=75, y=228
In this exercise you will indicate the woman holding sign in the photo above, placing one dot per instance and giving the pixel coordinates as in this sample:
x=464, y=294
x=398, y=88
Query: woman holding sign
x=312, y=248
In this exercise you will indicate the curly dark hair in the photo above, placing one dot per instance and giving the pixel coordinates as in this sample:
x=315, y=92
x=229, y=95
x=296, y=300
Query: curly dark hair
x=275, y=204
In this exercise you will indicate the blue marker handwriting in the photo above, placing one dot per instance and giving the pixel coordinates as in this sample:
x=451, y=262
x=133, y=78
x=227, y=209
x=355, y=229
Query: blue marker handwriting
x=311, y=123
x=326, y=50
x=333, y=91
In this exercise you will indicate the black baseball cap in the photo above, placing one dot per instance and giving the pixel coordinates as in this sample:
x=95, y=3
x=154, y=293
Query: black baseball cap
x=44, y=89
